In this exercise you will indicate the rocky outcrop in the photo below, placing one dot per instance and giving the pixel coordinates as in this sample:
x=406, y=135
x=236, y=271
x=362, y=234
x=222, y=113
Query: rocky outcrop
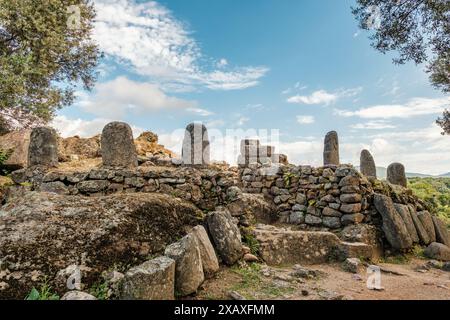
x=76, y=148
x=393, y=225
x=188, y=269
x=41, y=234
x=152, y=280
x=226, y=236
x=404, y=212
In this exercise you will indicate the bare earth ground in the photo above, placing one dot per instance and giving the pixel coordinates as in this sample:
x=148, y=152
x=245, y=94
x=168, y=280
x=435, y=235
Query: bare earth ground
x=259, y=282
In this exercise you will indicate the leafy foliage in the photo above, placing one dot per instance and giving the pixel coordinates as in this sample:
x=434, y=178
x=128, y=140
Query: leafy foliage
x=435, y=192
x=44, y=293
x=100, y=290
x=418, y=30
x=43, y=57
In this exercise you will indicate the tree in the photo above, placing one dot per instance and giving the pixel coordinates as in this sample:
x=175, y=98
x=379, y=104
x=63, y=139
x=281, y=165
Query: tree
x=419, y=30
x=46, y=52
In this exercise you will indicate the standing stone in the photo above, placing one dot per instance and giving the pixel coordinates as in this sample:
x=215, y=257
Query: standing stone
x=403, y=210
x=209, y=258
x=117, y=145
x=152, y=280
x=226, y=236
x=196, y=145
x=393, y=226
x=396, y=174
x=427, y=222
x=442, y=234
x=421, y=232
x=43, y=148
x=367, y=164
x=331, y=149
x=249, y=152
x=189, y=269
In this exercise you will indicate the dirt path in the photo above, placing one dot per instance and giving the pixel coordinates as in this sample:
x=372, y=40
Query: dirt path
x=332, y=282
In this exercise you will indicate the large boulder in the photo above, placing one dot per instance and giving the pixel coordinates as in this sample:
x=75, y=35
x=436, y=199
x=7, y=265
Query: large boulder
x=207, y=253
x=279, y=246
x=438, y=251
x=442, y=234
x=226, y=236
x=76, y=148
x=393, y=226
x=41, y=234
x=152, y=280
x=18, y=143
x=403, y=210
x=427, y=221
x=189, y=269
x=254, y=207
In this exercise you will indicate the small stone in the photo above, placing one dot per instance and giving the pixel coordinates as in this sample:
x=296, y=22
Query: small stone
x=236, y=296
x=313, y=220
x=351, y=265
x=250, y=258
x=330, y=212
x=355, y=218
x=332, y=222
x=77, y=295
x=350, y=198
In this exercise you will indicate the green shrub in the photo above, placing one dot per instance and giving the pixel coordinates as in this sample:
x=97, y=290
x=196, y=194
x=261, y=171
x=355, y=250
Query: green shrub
x=43, y=293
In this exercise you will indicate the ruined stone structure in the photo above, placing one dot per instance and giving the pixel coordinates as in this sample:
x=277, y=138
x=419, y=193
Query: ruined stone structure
x=196, y=150
x=331, y=149
x=43, y=148
x=118, y=149
x=396, y=174
x=195, y=216
x=367, y=164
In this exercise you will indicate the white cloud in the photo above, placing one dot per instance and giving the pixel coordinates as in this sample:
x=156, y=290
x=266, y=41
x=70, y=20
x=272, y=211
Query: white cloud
x=84, y=128
x=414, y=107
x=199, y=111
x=149, y=39
x=120, y=96
x=305, y=119
x=324, y=97
x=243, y=120
x=373, y=125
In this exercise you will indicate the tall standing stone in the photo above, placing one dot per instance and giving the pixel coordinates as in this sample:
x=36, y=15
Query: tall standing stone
x=249, y=152
x=331, y=149
x=367, y=164
x=196, y=149
x=396, y=174
x=43, y=148
x=117, y=145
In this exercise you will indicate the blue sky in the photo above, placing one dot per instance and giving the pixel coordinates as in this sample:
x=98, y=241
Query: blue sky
x=301, y=67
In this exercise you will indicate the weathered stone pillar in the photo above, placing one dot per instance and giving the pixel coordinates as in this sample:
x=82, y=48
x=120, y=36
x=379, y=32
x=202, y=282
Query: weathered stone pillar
x=117, y=145
x=367, y=164
x=249, y=152
x=396, y=174
x=331, y=149
x=196, y=148
x=43, y=148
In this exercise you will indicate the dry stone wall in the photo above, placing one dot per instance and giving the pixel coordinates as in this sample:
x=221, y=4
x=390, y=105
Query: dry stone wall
x=330, y=197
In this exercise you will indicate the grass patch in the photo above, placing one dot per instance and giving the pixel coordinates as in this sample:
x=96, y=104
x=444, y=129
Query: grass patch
x=418, y=252
x=100, y=290
x=43, y=293
x=397, y=259
x=252, y=285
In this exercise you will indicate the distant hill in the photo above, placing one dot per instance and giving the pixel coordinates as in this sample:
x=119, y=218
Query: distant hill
x=382, y=173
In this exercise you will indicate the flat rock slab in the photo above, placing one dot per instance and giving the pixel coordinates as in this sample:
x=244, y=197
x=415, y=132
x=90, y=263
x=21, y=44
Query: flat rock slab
x=403, y=210
x=427, y=221
x=442, y=234
x=152, y=280
x=284, y=247
x=424, y=238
